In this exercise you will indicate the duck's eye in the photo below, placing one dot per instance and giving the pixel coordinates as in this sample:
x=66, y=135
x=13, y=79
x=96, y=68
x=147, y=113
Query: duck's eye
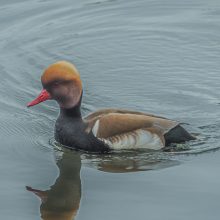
x=56, y=83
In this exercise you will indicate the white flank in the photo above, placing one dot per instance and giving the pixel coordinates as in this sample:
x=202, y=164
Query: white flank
x=135, y=140
x=95, y=128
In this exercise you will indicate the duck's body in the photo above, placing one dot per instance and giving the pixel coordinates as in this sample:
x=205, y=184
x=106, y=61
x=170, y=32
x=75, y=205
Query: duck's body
x=103, y=130
x=116, y=129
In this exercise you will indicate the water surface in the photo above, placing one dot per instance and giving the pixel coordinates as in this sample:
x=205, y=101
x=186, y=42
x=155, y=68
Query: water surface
x=156, y=56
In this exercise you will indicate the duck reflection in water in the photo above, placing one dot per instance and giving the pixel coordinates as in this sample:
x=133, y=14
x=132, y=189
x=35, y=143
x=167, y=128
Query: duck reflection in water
x=62, y=200
x=129, y=161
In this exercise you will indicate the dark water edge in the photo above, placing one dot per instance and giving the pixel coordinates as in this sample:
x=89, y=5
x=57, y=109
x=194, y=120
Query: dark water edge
x=154, y=56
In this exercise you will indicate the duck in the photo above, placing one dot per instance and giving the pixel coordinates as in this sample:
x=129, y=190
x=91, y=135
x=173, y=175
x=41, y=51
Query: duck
x=104, y=130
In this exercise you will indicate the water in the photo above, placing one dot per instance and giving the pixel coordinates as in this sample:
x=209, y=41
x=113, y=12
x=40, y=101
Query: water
x=149, y=55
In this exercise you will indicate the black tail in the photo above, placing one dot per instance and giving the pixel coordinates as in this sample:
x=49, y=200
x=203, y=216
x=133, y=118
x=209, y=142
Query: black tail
x=178, y=135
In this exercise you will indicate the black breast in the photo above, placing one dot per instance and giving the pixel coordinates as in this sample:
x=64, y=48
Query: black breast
x=70, y=131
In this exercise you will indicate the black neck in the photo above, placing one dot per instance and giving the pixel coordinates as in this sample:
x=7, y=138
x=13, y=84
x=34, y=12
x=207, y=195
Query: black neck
x=73, y=112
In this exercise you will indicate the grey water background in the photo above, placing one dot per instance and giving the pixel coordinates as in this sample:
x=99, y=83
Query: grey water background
x=156, y=56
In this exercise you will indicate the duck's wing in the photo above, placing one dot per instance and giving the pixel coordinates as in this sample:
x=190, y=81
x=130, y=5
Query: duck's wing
x=104, y=112
x=122, y=129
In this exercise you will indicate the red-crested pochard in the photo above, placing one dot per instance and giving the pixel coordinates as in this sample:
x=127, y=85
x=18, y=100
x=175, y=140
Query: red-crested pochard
x=103, y=130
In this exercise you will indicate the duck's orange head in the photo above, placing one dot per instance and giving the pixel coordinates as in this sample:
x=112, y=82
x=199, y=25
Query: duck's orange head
x=61, y=82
